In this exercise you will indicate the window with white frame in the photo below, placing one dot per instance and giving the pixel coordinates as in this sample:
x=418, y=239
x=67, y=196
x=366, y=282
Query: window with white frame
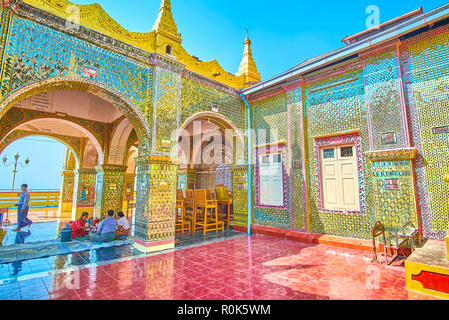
x=271, y=182
x=339, y=176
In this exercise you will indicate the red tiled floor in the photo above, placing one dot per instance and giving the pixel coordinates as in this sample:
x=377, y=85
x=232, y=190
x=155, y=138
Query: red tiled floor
x=255, y=268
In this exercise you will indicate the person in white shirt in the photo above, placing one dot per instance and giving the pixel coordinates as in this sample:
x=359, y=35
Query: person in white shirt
x=122, y=226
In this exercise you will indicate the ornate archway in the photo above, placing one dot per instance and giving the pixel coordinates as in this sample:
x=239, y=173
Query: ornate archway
x=130, y=111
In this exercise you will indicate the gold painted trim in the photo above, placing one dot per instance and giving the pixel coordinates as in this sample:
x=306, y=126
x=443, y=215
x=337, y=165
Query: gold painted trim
x=331, y=135
x=333, y=85
x=270, y=144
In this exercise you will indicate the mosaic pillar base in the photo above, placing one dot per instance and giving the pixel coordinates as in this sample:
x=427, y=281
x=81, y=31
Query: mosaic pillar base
x=154, y=228
x=110, y=188
x=84, y=197
x=67, y=189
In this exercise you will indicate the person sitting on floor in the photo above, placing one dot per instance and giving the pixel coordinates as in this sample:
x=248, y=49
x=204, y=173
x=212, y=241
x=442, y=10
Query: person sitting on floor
x=106, y=230
x=122, y=226
x=79, y=229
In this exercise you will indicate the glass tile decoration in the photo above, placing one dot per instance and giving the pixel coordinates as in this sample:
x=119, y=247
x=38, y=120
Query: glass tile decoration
x=425, y=66
x=298, y=196
x=382, y=76
x=270, y=120
x=363, y=102
x=199, y=99
x=166, y=113
x=36, y=53
x=240, y=194
x=331, y=106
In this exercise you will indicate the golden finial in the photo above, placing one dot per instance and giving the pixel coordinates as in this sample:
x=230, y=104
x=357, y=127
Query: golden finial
x=248, y=66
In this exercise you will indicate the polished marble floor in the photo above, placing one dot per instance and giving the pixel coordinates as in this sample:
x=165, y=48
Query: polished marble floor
x=40, y=215
x=254, y=268
x=39, y=231
x=16, y=271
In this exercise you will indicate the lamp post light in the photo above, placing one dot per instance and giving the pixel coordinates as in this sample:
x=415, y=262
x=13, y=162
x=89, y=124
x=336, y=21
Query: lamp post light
x=15, y=163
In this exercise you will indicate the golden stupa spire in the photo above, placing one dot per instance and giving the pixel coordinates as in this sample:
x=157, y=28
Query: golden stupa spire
x=165, y=24
x=248, y=65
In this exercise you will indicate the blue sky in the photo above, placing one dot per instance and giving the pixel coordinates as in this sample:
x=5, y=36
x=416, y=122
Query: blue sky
x=284, y=33
x=44, y=170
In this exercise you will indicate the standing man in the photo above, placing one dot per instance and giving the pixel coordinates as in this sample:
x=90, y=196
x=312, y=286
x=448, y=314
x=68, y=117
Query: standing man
x=22, y=210
x=106, y=230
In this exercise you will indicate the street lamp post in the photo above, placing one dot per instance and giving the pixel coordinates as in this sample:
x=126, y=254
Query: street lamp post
x=15, y=163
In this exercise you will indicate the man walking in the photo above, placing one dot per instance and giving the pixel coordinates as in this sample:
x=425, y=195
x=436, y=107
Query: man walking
x=22, y=210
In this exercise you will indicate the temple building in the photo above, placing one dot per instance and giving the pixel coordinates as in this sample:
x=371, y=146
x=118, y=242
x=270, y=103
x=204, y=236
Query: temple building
x=318, y=153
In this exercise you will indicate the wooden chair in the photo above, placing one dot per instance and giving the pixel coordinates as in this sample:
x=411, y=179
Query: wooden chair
x=224, y=199
x=182, y=224
x=204, y=203
x=189, y=207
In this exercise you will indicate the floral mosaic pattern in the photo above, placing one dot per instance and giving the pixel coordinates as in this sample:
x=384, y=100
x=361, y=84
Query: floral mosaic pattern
x=298, y=195
x=331, y=106
x=270, y=119
x=426, y=69
x=31, y=56
x=382, y=77
x=166, y=109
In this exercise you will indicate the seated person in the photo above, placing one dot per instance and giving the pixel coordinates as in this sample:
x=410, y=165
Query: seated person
x=122, y=226
x=106, y=229
x=79, y=229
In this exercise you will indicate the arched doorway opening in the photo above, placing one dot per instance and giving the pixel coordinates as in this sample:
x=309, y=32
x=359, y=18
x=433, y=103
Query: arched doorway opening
x=208, y=146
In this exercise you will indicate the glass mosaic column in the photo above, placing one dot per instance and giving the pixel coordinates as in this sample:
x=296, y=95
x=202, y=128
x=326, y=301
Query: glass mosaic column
x=110, y=188
x=154, y=228
x=240, y=195
x=84, y=197
x=67, y=189
x=129, y=191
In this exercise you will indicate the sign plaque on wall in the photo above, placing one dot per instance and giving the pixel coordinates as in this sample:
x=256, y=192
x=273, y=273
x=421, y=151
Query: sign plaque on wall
x=90, y=73
x=163, y=185
x=389, y=138
x=392, y=184
x=165, y=144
